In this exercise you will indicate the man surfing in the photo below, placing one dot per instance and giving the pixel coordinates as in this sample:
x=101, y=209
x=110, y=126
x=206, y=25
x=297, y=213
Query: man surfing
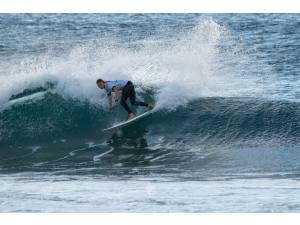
x=125, y=88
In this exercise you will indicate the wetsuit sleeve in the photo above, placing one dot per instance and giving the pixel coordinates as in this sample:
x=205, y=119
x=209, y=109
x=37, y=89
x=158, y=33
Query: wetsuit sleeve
x=109, y=89
x=109, y=93
x=112, y=88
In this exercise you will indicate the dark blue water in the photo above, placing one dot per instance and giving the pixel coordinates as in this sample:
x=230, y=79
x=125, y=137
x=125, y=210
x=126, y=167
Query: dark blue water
x=224, y=135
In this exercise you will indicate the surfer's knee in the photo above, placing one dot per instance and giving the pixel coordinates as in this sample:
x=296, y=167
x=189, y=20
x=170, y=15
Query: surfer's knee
x=133, y=102
x=123, y=102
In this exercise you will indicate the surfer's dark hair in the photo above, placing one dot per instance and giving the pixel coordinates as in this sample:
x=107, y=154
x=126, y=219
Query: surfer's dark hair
x=100, y=80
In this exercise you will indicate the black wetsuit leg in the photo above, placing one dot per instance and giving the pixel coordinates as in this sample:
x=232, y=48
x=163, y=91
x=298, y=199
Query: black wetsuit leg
x=128, y=91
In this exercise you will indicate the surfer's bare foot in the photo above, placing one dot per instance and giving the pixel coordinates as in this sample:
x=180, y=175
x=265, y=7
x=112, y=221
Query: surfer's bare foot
x=150, y=105
x=131, y=116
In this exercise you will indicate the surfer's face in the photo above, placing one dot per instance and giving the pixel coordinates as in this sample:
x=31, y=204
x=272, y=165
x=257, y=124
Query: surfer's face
x=101, y=85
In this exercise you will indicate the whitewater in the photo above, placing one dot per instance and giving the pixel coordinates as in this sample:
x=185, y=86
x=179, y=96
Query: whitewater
x=224, y=135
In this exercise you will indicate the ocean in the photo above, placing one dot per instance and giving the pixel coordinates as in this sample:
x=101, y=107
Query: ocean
x=224, y=135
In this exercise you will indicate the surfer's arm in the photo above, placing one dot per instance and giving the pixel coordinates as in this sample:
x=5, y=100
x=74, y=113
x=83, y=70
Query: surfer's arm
x=114, y=103
x=116, y=90
x=118, y=94
x=109, y=98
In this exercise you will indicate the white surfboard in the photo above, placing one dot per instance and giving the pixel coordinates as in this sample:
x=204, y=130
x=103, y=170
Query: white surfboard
x=125, y=123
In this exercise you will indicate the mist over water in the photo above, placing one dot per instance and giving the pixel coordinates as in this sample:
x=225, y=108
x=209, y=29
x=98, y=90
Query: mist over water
x=203, y=61
x=226, y=89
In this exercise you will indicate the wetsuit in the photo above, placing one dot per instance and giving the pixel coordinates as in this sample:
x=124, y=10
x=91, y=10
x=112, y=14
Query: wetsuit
x=128, y=91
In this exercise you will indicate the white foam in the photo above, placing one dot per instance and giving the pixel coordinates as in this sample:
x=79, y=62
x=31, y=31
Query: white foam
x=187, y=66
x=21, y=100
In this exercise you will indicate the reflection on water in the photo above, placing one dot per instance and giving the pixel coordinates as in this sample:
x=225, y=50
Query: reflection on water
x=130, y=147
x=129, y=139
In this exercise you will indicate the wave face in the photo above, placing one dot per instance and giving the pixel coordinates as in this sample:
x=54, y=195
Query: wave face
x=53, y=133
x=215, y=84
x=49, y=115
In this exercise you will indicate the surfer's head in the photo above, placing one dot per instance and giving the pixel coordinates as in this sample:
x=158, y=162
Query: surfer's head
x=100, y=83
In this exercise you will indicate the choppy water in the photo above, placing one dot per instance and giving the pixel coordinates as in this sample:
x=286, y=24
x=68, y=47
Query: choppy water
x=224, y=137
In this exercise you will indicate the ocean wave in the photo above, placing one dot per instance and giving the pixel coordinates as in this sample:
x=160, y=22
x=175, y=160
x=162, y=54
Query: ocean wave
x=47, y=115
x=204, y=82
x=205, y=61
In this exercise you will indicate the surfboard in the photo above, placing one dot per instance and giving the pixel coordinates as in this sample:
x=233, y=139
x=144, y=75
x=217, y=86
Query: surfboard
x=127, y=122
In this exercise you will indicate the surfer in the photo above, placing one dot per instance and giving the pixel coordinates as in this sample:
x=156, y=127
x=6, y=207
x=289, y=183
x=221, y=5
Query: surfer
x=128, y=91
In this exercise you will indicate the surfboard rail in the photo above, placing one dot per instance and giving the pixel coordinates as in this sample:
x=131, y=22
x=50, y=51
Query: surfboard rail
x=125, y=123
